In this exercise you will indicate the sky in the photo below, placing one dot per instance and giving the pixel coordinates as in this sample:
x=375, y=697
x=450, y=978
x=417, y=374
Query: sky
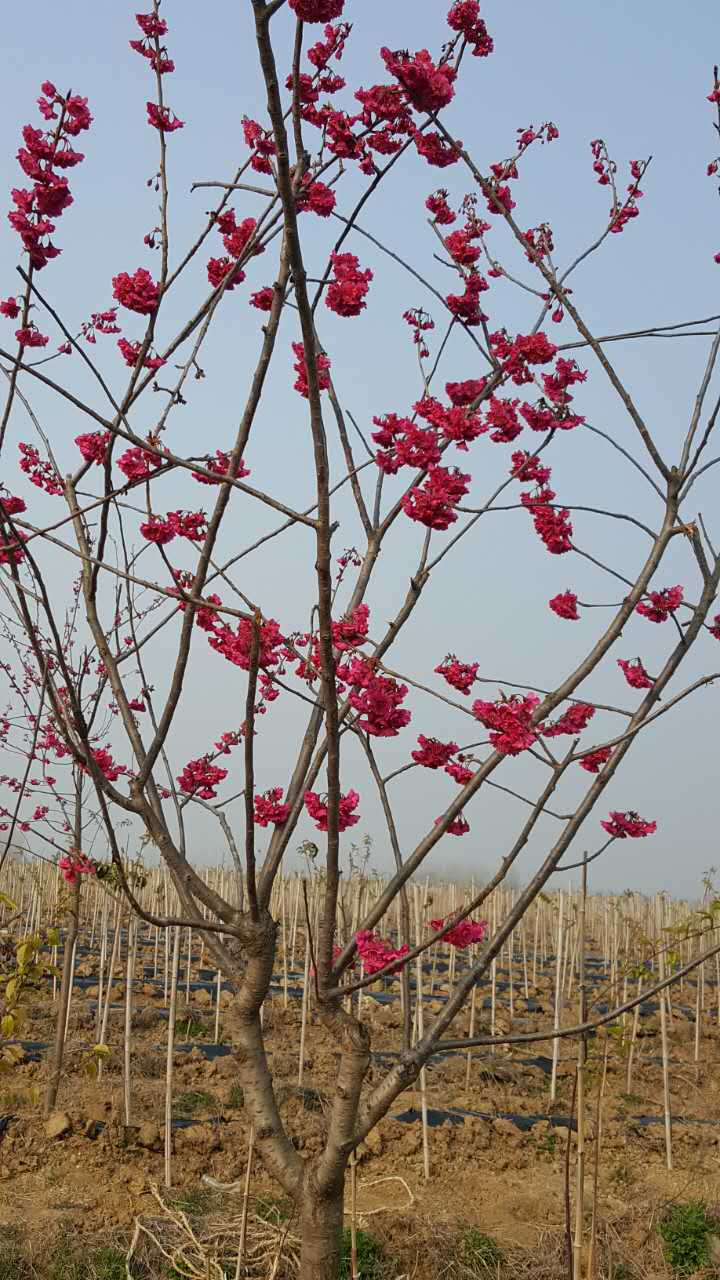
x=633, y=75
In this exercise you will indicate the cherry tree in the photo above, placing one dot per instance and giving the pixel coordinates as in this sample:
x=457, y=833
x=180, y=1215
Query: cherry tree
x=161, y=526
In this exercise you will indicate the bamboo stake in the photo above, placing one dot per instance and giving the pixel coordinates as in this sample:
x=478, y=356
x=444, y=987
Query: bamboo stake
x=245, y=1204
x=582, y=1056
x=556, y=1022
x=666, y=1073
x=132, y=934
x=170, y=1053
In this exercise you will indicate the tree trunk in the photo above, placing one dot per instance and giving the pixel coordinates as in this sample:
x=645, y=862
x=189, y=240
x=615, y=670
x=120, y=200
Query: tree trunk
x=321, y=1223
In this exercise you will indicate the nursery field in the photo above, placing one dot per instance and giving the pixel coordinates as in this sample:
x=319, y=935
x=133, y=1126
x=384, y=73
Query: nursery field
x=489, y=1164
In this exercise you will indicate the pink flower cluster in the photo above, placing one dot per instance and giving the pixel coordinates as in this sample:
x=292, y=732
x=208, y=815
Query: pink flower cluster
x=433, y=503
x=270, y=809
x=159, y=117
x=35, y=208
x=565, y=606
x=106, y=764
x=181, y=524
x=459, y=826
x=200, y=778
x=433, y=754
x=552, y=524
x=376, y=953
x=464, y=17
x=462, y=935
x=317, y=808
x=220, y=465
x=509, y=722
x=594, y=760
x=428, y=86
x=137, y=292
x=137, y=463
x=460, y=675
x=236, y=645
x=73, y=865
x=376, y=698
x=322, y=366
x=347, y=291
x=621, y=825
x=315, y=197
x=130, y=352
x=261, y=144
x=660, y=604
x=41, y=471
x=635, y=673
x=351, y=630
x=573, y=721
x=93, y=445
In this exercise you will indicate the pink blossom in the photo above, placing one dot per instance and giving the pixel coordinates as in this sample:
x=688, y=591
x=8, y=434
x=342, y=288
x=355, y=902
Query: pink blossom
x=200, y=778
x=137, y=292
x=432, y=753
x=317, y=808
x=376, y=953
x=162, y=118
x=660, y=604
x=573, y=721
x=458, y=827
x=130, y=352
x=378, y=700
x=461, y=675
x=565, y=606
x=158, y=531
x=137, y=463
x=635, y=673
x=317, y=10
x=220, y=466
x=509, y=720
x=462, y=935
x=322, y=365
x=94, y=445
x=73, y=865
x=433, y=503
x=346, y=293
x=630, y=824
x=594, y=760
x=315, y=197
x=427, y=85
x=268, y=808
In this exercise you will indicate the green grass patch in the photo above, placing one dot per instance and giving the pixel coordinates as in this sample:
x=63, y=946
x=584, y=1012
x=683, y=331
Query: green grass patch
x=191, y=1029
x=236, y=1097
x=186, y=1104
x=369, y=1256
x=685, y=1229
x=13, y=1263
x=479, y=1252
x=194, y=1203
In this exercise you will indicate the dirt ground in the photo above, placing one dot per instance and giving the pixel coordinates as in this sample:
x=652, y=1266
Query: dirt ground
x=504, y=1176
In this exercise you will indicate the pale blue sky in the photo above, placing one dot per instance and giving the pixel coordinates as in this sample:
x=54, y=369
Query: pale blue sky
x=635, y=75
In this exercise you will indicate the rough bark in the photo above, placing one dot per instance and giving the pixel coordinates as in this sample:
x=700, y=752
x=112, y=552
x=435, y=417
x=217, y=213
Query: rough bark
x=321, y=1222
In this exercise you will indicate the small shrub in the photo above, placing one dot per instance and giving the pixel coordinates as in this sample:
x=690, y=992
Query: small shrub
x=369, y=1256
x=685, y=1229
x=479, y=1252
